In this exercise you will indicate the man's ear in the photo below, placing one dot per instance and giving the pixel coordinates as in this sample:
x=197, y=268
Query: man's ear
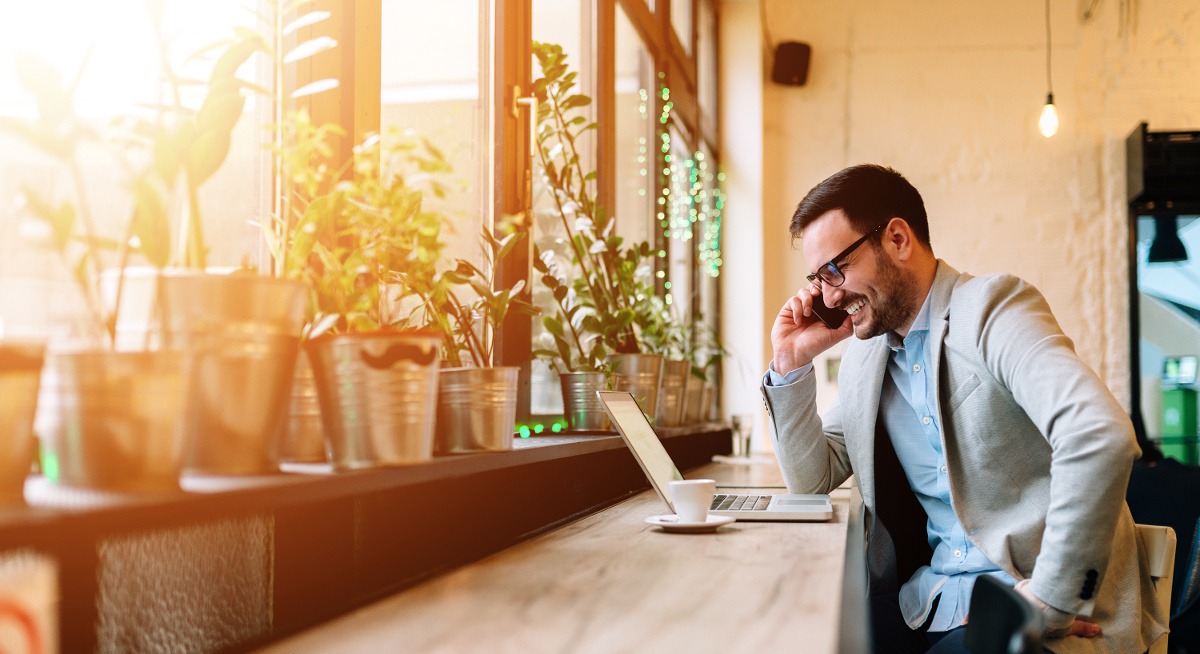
x=898, y=236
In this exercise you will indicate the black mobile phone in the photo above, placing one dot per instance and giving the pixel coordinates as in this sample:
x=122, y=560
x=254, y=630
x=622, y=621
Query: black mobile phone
x=833, y=318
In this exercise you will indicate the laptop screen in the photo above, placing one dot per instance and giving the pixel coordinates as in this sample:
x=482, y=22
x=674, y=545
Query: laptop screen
x=642, y=441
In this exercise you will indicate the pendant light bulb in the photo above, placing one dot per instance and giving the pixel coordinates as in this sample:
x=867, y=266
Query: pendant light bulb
x=1048, y=122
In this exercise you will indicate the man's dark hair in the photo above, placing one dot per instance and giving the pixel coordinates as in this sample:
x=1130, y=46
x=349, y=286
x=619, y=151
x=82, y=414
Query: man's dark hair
x=870, y=195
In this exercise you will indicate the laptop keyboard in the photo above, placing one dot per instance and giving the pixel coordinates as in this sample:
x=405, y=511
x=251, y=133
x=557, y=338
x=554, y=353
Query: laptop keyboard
x=739, y=502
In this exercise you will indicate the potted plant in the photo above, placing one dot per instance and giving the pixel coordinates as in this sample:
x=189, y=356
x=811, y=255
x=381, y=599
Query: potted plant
x=578, y=356
x=20, y=372
x=477, y=401
x=613, y=277
x=113, y=418
x=664, y=333
x=703, y=352
x=302, y=154
x=362, y=243
x=240, y=329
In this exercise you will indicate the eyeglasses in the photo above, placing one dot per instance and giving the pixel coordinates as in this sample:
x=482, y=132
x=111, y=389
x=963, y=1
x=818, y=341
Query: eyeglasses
x=829, y=273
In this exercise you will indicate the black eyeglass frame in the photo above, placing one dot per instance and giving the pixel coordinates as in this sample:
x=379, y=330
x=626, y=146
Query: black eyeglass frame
x=830, y=268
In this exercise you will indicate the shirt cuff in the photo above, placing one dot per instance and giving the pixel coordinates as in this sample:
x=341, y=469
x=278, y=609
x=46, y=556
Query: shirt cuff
x=776, y=379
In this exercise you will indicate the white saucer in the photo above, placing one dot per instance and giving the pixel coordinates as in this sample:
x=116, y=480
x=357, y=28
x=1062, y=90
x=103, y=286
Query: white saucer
x=670, y=522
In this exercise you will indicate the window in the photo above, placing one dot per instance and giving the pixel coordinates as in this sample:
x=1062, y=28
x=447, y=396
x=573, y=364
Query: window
x=435, y=62
x=114, y=50
x=637, y=173
x=451, y=71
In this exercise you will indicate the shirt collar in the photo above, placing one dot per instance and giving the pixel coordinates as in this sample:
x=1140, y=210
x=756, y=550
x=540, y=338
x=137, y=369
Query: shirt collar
x=920, y=324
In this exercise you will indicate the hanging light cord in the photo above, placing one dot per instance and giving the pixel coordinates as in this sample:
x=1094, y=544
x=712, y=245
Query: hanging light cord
x=1049, y=89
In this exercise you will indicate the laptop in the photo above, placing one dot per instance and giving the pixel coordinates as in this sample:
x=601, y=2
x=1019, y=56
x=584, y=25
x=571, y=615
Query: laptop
x=631, y=423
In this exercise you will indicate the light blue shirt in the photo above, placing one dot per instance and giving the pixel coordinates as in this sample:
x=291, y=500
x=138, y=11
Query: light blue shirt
x=910, y=418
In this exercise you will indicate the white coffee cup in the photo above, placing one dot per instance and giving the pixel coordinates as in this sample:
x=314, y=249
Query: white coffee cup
x=692, y=498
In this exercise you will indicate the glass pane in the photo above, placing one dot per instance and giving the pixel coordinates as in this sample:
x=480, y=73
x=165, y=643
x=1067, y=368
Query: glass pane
x=113, y=49
x=682, y=214
x=1169, y=320
x=710, y=203
x=681, y=21
x=431, y=85
x=636, y=150
x=561, y=23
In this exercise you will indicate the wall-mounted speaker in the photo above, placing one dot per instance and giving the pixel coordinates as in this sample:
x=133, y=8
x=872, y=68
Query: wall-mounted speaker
x=791, y=63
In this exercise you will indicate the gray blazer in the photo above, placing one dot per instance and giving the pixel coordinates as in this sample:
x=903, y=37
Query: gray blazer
x=1014, y=402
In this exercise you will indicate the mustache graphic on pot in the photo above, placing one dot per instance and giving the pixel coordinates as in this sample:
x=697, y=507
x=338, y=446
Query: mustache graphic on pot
x=400, y=352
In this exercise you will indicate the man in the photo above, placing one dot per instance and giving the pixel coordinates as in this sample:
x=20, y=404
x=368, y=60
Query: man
x=980, y=442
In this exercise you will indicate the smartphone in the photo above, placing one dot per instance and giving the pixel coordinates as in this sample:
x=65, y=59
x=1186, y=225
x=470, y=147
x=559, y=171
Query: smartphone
x=833, y=318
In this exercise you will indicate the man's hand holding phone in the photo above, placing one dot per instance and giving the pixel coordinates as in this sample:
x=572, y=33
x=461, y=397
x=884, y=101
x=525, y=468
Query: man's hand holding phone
x=804, y=328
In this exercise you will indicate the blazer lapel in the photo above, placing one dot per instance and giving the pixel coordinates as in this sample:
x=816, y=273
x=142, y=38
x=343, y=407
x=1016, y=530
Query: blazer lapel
x=944, y=282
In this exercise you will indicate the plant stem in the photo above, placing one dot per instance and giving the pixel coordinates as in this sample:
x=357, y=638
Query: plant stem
x=91, y=296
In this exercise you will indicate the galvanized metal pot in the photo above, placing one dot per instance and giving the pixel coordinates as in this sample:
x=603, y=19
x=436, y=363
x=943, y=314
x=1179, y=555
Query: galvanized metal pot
x=378, y=395
x=304, y=439
x=20, y=371
x=694, y=402
x=580, y=404
x=114, y=420
x=671, y=392
x=477, y=409
x=640, y=374
x=243, y=332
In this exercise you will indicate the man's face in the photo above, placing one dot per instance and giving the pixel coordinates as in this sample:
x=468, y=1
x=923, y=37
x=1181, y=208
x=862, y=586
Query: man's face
x=878, y=293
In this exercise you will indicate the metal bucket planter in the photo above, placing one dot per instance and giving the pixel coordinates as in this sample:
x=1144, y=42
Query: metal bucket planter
x=243, y=332
x=303, y=440
x=672, y=392
x=20, y=371
x=580, y=405
x=476, y=409
x=708, y=403
x=378, y=396
x=694, y=400
x=640, y=374
x=114, y=420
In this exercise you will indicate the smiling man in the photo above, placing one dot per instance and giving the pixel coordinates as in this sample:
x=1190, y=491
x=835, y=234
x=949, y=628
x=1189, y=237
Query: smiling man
x=981, y=444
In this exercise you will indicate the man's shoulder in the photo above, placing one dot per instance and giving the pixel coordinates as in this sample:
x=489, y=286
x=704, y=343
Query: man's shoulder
x=988, y=290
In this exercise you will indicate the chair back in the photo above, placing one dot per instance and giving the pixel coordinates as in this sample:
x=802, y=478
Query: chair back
x=1159, y=543
x=1001, y=621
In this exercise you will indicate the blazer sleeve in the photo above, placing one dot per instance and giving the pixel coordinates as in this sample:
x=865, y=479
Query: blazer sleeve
x=812, y=455
x=1090, y=436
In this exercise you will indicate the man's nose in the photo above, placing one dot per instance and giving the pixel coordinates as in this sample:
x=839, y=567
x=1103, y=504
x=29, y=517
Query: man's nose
x=832, y=294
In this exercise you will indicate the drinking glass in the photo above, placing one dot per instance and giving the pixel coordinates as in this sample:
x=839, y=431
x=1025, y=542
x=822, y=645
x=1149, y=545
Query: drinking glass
x=743, y=427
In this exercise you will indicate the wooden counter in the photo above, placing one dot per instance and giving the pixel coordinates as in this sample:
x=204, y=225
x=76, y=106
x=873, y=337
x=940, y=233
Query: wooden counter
x=609, y=582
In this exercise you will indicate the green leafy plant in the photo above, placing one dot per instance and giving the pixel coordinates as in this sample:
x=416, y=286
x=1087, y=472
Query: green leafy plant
x=469, y=327
x=603, y=300
x=368, y=242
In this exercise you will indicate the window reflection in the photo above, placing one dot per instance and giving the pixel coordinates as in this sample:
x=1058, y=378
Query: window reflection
x=636, y=154
x=430, y=83
x=1169, y=320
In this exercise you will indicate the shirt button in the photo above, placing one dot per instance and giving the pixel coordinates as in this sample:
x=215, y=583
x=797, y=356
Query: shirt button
x=958, y=553
x=925, y=420
x=917, y=368
x=943, y=468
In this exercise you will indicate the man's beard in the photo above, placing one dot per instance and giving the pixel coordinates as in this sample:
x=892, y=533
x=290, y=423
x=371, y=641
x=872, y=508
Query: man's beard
x=893, y=303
